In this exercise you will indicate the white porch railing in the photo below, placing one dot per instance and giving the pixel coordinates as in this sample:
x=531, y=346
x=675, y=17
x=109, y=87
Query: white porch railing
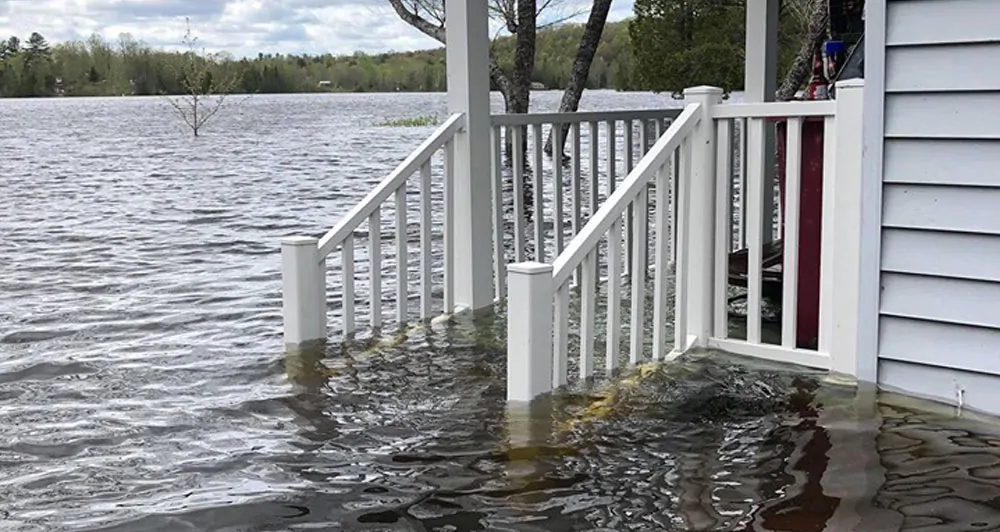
x=304, y=302
x=601, y=148
x=700, y=142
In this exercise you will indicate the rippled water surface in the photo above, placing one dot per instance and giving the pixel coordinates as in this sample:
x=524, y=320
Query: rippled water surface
x=143, y=384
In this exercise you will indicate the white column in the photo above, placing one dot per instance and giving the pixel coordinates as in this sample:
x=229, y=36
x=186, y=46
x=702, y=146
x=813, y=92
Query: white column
x=469, y=93
x=529, y=330
x=761, y=83
x=303, y=291
x=845, y=354
x=701, y=227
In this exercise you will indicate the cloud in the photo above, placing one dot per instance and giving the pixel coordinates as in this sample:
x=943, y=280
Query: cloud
x=240, y=27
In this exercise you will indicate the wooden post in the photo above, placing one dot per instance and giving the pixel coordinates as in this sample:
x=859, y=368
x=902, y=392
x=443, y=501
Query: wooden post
x=303, y=292
x=760, y=85
x=846, y=246
x=701, y=227
x=469, y=93
x=529, y=330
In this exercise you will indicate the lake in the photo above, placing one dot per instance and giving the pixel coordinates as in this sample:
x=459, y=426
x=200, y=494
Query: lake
x=143, y=384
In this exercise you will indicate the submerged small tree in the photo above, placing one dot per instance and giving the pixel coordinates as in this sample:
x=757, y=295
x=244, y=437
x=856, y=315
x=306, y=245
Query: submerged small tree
x=205, y=85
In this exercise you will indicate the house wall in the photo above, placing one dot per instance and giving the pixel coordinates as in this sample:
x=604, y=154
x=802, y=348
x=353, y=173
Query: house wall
x=939, y=308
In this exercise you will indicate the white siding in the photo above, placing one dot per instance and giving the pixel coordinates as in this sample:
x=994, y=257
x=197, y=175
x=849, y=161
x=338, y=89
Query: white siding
x=939, y=330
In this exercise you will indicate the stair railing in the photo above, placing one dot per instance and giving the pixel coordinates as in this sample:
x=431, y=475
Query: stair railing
x=303, y=259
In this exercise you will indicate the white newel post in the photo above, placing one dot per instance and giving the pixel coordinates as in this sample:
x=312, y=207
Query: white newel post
x=469, y=93
x=529, y=330
x=701, y=227
x=846, y=245
x=303, y=291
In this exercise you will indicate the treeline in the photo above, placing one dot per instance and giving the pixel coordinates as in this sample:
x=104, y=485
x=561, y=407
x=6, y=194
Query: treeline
x=98, y=67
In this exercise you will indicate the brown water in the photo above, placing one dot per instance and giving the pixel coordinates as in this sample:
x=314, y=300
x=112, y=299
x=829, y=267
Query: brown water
x=143, y=384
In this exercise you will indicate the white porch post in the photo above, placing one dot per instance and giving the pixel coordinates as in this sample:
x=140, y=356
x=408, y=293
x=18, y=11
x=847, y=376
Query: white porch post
x=845, y=354
x=701, y=228
x=761, y=84
x=469, y=93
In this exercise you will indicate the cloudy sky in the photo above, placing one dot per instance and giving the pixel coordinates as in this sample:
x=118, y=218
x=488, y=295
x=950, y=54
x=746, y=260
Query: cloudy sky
x=241, y=27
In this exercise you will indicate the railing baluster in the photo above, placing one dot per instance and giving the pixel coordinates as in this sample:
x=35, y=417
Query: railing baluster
x=826, y=260
x=595, y=174
x=557, y=186
x=499, y=259
x=742, y=230
x=347, y=270
x=639, y=263
x=612, y=128
x=723, y=227
x=449, y=233
x=561, y=332
x=682, y=204
x=614, y=295
x=629, y=164
x=575, y=192
x=790, y=247
x=662, y=257
x=425, y=240
x=518, y=190
x=672, y=184
x=375, y=266
x=401, y=258
x=539, y=196
x=588, y=312
x=754, y=226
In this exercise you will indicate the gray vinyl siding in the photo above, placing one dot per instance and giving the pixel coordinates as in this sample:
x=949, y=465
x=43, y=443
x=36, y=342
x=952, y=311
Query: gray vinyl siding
x=939, y=325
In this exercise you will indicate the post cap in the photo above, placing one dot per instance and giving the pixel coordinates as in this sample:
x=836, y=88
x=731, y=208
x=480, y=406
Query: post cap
x=530, y=268
x=853, y=83
x=299, y=241
x=703, y=90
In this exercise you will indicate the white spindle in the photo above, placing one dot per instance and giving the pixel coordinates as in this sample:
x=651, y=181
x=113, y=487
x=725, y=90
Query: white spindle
x=557, y=185
x=612, y=162
x=595, y=173
x=499, y=260
x=449, y=225
x=790, y=264
x=529, y=340
x=517, y=144
x=661, y=259
x=588, y=313
x=321, y=303
x=401, y=258
x=576, y=191
x=425, y=241
x=375, y=266
x=754, y=226
x=629, y=164
x=682, y=265
x=827, y=260
x=741, y=235
x=723, y=227
x=347, y=271
x=561, y=325
x=538, y=172
x=639, y=263
x=614, y=295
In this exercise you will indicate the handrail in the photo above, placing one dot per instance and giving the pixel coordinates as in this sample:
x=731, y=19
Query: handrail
x=615, y=205
x=360, y=212
x=528, y=119
x=775, y=109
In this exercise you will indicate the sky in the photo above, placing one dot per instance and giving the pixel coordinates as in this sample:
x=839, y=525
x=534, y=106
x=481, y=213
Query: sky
x=240, y=27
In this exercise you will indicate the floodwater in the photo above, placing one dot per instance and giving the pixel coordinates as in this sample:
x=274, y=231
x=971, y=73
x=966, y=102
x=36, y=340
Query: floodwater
x=143, y=384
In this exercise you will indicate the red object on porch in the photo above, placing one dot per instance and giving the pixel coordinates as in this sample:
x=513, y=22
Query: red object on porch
x=810, y=216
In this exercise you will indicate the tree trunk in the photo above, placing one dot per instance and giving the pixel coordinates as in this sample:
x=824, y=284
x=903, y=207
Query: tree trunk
x=798, y=72
x=589, y=42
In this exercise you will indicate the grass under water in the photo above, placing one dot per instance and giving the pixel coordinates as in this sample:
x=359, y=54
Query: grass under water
x=415, y=434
